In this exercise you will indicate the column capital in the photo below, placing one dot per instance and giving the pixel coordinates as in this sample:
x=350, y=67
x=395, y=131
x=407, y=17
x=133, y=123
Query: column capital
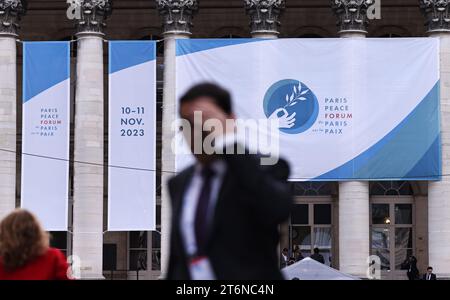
x=437, y=14
x=177, y=15
x=264, y=15
x=352, y=15
x=92, y=15
x=10, y=13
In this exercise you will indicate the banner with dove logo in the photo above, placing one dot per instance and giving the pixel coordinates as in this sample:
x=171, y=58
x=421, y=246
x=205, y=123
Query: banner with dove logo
x=347, y=109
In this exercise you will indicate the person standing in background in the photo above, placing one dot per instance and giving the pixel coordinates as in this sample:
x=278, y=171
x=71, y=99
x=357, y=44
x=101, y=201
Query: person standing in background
x=317, y=256
x=24, y=250
x=429, y=275
x=298, y=256
x=413, y=271
x=284, y=257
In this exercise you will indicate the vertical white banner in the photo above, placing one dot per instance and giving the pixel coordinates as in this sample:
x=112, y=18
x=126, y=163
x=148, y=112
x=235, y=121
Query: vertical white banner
x=132, y=136
x=46, y=130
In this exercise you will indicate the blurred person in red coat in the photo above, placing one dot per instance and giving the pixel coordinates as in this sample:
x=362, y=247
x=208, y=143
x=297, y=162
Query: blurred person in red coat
x=24, y=250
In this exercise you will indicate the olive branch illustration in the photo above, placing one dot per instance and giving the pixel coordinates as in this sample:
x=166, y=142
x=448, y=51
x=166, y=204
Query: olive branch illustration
x=296, y=96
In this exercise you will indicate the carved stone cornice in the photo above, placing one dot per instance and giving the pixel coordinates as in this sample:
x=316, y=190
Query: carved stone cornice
x=437, y=14
x=352, y=14
x=264, y=15
x=177, y=15
x=93, y=14
x=10, y=14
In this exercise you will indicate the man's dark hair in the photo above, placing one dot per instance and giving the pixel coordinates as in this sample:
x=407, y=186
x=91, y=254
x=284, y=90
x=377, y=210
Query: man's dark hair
x=429, y=268
x=285, y=250
x=220, y=96
x=316, y=250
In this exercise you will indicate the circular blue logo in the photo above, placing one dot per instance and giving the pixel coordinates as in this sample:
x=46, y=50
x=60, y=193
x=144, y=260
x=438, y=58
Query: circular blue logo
x=293, y=104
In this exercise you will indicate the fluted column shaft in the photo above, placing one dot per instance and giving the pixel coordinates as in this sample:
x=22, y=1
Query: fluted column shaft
x=354, y=227
x=89, y=138
x=168, y=158
x=177, y=22
x=437, y=16
x=439, y=191
x=354, y=237
x=10, y=13
x=88, y=177
x=8, y=86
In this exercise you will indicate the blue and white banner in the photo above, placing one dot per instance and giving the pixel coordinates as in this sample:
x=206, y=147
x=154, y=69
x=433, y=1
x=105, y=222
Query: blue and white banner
x=45, y=132
x=349, y=109
x=132, y=136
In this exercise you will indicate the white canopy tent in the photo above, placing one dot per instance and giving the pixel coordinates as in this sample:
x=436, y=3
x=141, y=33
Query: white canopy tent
x=309, y=269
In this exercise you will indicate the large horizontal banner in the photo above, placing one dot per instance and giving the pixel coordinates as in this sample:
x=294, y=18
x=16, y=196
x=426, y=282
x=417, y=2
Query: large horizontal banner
x=132, y=136
x=346, y=109
x=45, y=133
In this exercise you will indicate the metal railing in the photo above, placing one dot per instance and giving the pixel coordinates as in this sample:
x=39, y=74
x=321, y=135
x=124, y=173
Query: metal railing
x=122, y=274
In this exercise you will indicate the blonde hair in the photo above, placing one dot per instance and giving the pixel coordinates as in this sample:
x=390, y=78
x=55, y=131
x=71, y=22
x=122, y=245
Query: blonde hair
x=21, y=239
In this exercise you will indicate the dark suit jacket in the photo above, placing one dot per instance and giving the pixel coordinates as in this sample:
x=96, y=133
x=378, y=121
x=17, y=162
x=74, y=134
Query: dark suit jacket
x=243, y=237
x=318, y=257
x=433, y=276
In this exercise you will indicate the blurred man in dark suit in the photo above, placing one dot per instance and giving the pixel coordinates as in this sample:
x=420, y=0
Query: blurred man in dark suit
x=226, y=208
x=429, y=275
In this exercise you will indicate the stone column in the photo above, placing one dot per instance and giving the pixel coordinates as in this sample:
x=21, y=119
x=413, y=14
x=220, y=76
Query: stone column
x=354, y=244
x=10, y=13
x=437, y=14
x=177, y=22
x=354, y=238
x=264, y=23
x=264, y=17
x=89, y=152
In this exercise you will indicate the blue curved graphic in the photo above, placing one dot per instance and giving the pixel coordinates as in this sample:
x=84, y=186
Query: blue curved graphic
x=126, y=54
x=411, y=151
x=45, y=65
x=188, y=46
x=305, y=104
x=427, y=162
